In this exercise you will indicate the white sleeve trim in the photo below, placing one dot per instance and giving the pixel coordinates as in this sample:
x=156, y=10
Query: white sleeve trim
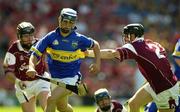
x=130, y=47
x=92, y=42
x=10, y=59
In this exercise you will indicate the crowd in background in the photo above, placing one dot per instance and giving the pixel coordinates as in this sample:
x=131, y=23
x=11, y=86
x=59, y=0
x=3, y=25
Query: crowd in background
x=103, y=21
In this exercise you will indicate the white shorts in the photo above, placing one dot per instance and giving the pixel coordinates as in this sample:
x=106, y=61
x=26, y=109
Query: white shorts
x=162, y=99
x=71, y=81
x=33, y=88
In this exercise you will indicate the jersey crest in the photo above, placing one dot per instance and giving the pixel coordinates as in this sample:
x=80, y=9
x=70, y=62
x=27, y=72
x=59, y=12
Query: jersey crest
x=74, y=44
x=55, y=42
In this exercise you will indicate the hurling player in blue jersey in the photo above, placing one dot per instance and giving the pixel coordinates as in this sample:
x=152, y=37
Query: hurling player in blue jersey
x=176, y=62
x=151, y=107
x=64, y=48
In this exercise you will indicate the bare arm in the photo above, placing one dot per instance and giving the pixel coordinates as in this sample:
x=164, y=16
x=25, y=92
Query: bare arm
x=95, y=68
x=96, y=50
x=32, y=62
x=105, y=53
x=10, y=76
x=31, y=72
x=9, y=60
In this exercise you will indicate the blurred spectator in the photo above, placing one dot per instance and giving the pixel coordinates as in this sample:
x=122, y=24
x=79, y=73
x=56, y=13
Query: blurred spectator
x=102, y=20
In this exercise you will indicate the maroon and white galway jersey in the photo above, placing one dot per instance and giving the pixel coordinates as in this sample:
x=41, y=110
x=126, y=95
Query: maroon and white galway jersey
x=152, y=61
x=17, y=61
x=115, y=107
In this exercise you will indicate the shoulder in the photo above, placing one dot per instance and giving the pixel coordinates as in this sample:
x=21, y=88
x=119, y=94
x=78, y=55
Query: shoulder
x=49, y=36
x=81, y=36
x=97, y=110
x=129, y=47
x=117, y=106
x=177, y=44
x=116, y=103
x=14, y=47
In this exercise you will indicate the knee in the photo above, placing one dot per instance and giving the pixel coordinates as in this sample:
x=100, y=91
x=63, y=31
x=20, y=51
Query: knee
x=51, y=100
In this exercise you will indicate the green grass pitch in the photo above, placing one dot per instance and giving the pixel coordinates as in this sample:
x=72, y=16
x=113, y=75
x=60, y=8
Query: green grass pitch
x=76, y=109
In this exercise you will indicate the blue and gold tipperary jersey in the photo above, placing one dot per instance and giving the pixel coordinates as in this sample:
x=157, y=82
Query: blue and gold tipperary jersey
x=176, y=54
x=64, y=53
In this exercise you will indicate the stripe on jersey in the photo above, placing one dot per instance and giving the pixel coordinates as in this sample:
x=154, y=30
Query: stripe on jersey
x=65, y=56
x=176, y=53
x=36, y=51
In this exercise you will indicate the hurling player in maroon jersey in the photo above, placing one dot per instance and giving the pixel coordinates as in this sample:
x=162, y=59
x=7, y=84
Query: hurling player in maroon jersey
x=16, y=63
x=105, y=103
x=161, y=86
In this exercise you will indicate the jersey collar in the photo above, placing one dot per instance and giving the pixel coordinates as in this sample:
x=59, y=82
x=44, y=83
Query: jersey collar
x=59, y=34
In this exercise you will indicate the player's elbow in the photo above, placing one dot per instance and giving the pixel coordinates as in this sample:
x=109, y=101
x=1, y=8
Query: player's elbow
x=96, y=45
x=10, y=77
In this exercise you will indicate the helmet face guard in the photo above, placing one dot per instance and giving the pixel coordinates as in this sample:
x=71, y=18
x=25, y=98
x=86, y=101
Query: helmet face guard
x=136, y=29
x=70, y=16
x=103, y=97
x=25, y=28
x=100, y=96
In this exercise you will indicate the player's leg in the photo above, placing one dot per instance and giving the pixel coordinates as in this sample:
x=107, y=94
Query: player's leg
x=29, y=106
x=150, y=107
x=26, y=98
x=42, y=90
x=56, y=94
x=42, y=98
x=166, y=110
x=59, y=93
x=140, y=98
x=63, y=106
x=167, y=100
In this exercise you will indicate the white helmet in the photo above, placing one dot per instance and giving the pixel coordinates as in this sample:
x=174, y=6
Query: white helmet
x=68, y=13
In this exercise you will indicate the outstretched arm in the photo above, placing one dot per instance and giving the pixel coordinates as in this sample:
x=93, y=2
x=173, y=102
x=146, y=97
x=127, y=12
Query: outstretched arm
x=105, y=53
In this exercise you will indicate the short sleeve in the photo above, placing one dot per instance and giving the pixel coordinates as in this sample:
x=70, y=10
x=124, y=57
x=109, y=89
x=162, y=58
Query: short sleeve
x=86, y=43
x=40, y=46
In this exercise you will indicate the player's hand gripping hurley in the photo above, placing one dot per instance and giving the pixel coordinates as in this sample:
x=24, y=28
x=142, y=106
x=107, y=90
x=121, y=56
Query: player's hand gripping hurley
x=80, y=89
